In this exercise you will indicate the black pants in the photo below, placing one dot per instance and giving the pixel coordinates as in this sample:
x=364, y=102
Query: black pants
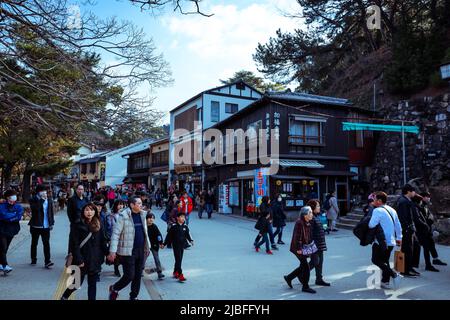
x=132, y=272
x=410, y=247
x=429, y=248
x=5, y=241
x=303, y=271
x=317, y=264
x=178, y=254
x=279, y=233
x=92, y=286
x=380, y=258
x=45, y=235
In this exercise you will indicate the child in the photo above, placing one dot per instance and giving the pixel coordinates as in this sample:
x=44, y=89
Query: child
x=156, y=241
x=177, y=236
x=263, y=226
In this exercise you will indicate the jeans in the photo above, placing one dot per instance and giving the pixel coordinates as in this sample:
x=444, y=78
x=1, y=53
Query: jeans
x=45, y=236
x=265, y=239
x=157, y=261
x=303, y=271
x=5, y=241
x=279, y=233
x=132, y=272
x=380, y=258
x=200, y=211
x=317, y=264
x=271, y=236
x=92, y=286
x=178, y=254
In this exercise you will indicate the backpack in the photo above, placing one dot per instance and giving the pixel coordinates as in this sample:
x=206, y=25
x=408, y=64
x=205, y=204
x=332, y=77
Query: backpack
x=165, y=216
x=326, y=204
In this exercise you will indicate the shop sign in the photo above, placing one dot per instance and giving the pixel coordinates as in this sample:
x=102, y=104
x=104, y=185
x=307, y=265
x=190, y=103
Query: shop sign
x=278, y=182
x=311, y=183
x=261, y=184
x=183, y=169
x=304, y=182
x=276, y=125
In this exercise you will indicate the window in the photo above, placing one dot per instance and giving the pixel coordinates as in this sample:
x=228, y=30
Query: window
x=199, y=116
x=303, y=150
x=160, y=158
x=140, y=163
x=231, y=108
x=83, y=168
x=355, y=170
x=305, y=132
x=215, y=111
x=92, y=168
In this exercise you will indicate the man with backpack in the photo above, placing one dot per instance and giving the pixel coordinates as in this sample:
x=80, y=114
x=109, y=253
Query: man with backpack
x=385, y=217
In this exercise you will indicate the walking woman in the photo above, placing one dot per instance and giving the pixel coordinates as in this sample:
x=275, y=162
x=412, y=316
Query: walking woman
x=88, y=246
x=10, y=214
x=303, y=247
x=279, y=218
x=264, y=210
x=318, y=234
x=331, y=205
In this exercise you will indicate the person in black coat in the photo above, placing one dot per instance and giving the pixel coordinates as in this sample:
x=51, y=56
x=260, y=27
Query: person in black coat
x=89, y=257
x=410, y=245
x=318, y=234
x=75, y=204
x=263, y=225
x=156, y=241
x=41, y=223
x=279, y=218
x=264, y=209
x=176, y=237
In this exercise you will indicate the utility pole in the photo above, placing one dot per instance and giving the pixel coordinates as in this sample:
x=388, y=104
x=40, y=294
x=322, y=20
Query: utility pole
x=404, y=154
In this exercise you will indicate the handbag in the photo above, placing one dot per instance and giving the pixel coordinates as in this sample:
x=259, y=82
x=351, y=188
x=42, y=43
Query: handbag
x=309, y=249
x=69, y=257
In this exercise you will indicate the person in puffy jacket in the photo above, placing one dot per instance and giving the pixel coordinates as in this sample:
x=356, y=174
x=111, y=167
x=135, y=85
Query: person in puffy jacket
x=10, y=214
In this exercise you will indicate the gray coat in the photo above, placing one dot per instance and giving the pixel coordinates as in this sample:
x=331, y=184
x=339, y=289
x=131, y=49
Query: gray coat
x=333, y=212
x=122, y=239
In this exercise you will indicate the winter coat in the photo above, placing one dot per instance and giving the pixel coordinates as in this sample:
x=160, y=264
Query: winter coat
x=177, y=235
x=262, y=225
x=189, y=205
x=426, y=213
x=172, y=215
x=406, y=210
x=301, y=236
x=423, y=230
x=155, y=237
x=93, y=253
x=279, y=218
x=74, y=207
x=37, y=212
x=10, y=215
x=333, y=212
x=122, y=239
x=318, y=233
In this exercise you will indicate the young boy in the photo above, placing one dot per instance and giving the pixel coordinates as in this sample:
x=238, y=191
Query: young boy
x=177, y=236
x=156, y=241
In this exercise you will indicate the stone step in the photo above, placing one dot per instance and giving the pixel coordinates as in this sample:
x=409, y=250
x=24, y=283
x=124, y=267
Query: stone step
x=354, y=216
x=345, y=226
x=349, y=220
x=357, y=210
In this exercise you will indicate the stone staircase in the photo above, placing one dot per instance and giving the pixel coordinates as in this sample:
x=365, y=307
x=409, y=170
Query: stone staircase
x=351, y=219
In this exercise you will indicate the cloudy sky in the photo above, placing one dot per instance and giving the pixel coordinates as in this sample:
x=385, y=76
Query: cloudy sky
x=203, y=50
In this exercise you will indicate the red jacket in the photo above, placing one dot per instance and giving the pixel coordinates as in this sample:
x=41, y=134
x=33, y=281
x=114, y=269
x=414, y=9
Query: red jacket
x=190, y=205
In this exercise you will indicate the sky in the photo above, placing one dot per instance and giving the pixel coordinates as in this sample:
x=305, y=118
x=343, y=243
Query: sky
x=202, y=50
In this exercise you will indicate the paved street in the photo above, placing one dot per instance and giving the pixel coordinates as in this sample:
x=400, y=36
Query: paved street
x=224, y=265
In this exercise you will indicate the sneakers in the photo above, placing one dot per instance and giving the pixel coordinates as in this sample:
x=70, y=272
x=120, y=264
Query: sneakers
x=385, y=286
x=289, y=282
x=431, y=268
x=415, y=273
x=408, y=275
x=269, y=252
x=160, y=276
x=274, y=247
x=49, y=264
x=7, y=269
x=1, y=267
x=176, y=275
x=257, y=249
x=33, y=262
x=280, y=242
x=308, y=290
x=322, y=283
x=134, y=299
x=439, y=262
x=113, y=294
x=181, y=278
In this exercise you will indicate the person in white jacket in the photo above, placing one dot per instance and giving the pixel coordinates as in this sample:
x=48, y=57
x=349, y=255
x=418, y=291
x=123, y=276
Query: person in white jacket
x=333, y=211
x=387, y=218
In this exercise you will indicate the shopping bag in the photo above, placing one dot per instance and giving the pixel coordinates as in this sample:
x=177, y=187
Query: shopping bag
x=399, y=261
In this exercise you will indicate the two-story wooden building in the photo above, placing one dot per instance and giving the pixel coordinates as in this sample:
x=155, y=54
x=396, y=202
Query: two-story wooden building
x=315, y=155
x=159, y=169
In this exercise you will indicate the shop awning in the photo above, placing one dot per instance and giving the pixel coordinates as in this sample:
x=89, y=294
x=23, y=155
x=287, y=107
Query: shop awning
x=300, y=163
x=283, y=177
x=352, y=126
x=331, y=173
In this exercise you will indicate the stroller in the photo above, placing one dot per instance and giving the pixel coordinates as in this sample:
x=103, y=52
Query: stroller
x=324, y=221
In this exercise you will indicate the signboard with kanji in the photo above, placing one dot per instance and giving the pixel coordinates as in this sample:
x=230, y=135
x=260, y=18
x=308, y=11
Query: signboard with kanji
x=261, y=184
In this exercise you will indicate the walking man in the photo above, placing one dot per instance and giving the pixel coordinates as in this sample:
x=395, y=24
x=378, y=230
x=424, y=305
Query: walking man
x=131, y=243
x=387, y=218
x=41, y=223
x=75, y=204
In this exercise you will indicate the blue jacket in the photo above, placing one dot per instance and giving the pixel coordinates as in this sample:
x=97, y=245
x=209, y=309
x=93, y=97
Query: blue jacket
x=11, y=213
